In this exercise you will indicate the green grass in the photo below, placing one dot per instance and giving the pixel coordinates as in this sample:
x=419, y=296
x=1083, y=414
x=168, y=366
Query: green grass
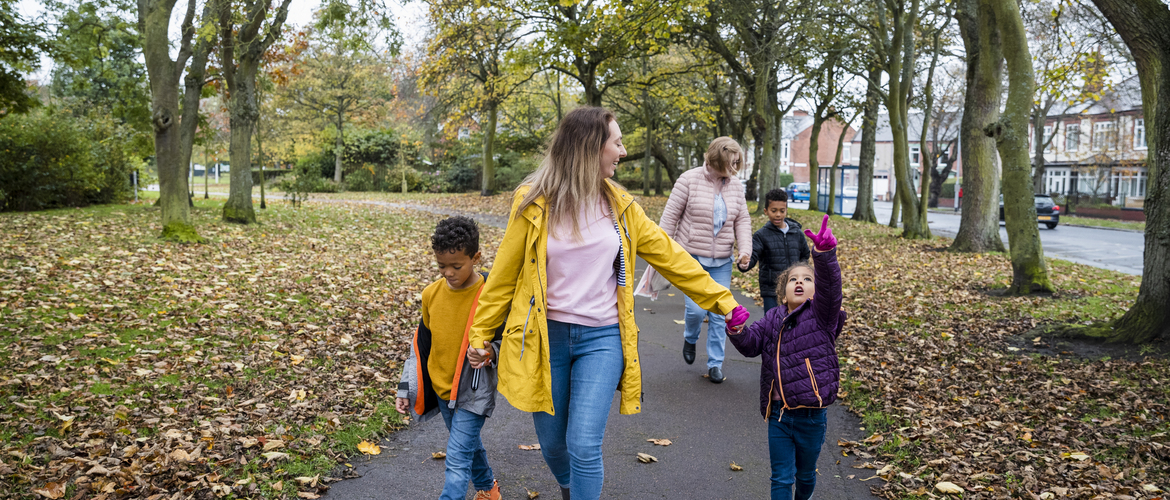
x=1072, y=220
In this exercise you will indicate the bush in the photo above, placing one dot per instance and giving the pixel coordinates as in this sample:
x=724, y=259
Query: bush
x=948, y=189
x=461, y=178
x=512, y=168
x=785, y=180
x=54, y=160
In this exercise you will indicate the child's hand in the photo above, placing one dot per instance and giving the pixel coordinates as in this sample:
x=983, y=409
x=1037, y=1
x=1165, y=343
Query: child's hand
x=743, y=262
x=737, y=318
x=478, y=357
x=402, y=405
x=824, y=240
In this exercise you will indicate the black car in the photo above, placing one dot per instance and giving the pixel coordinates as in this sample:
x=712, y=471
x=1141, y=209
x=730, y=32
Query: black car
x=1047, y=211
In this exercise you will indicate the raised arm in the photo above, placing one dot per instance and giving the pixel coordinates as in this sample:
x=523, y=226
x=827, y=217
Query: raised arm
x=675, y=205
x=827, y=274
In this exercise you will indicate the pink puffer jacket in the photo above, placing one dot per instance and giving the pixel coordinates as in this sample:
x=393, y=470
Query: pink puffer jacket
x=689, y=216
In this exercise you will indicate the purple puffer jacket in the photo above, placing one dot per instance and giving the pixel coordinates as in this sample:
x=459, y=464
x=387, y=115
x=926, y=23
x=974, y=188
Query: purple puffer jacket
x=806, y=359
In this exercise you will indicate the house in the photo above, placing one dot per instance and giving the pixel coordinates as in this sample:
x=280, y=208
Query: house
x=796, y=136
x=944, y=129
x=1098, y=148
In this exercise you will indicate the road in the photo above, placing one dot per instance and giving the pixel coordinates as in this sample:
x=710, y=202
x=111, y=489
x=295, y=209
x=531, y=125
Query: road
x=1105, y=248
x=710, y=426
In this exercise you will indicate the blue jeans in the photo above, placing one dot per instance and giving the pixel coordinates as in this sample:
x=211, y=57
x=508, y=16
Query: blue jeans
x=466, y=458
x=770, y=303
x=716, y=329
x=586, y=363
x=794, y=443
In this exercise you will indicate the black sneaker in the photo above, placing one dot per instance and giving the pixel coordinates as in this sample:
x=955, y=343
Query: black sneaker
x=715, y=374
x=688, y=352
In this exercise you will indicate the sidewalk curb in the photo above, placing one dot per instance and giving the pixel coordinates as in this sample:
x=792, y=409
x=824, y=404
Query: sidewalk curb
x=949, y=212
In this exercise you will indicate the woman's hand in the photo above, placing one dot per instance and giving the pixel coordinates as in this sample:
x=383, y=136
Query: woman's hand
x=402, y=405
x=743, y=262
x=478, y=357
x=824, y=240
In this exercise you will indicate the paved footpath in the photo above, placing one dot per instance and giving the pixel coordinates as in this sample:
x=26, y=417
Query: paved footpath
x=710, y=426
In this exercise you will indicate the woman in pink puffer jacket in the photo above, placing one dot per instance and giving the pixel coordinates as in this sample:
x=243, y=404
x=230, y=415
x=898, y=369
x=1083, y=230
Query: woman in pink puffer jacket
x=708, y=215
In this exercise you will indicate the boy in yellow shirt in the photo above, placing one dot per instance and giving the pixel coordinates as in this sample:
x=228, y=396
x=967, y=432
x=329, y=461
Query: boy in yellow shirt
x=438, y=376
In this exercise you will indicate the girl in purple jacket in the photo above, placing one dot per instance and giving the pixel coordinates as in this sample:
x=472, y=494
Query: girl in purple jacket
x=799, y=374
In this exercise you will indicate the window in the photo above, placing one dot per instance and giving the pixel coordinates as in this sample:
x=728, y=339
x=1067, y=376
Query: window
x=1139, y=133
x=915, y=155
x=1072, y=137
x=464, y=133
x=847, y=153
x=1104, y=136
x=1047, y=135
x=785, y=151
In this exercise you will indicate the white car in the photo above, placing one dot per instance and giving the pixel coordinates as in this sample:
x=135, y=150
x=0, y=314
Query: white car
x=849, y=191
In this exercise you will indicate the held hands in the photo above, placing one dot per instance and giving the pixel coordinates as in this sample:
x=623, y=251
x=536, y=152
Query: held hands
x=478, y=357
x=402, y=405
x=743, y=261
x=736, y=319
x=824, y=240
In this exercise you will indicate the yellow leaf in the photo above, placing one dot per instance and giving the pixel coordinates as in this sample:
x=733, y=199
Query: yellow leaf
x=660, y=442
x=296, y=359
x=644, y=458
x=273, y=444
x=532, y=494
x=369, y=448
x=679, y=322
x=736, y=467
x=274, y=455
x=529, y=447
x=1076, y=455
x=439, y=455
x=948, y=487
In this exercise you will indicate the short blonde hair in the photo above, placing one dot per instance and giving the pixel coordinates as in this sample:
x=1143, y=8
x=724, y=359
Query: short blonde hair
x=719, y=156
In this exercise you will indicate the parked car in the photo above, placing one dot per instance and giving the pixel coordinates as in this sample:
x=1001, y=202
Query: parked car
x=849, y=191
x=1047, y=211
x=798, y=191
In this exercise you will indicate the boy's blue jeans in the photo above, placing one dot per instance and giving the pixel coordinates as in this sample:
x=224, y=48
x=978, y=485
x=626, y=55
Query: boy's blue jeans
x=466, y=458
x=770, y=303
x=586, y=364
x=716, y=328
x=794, y=443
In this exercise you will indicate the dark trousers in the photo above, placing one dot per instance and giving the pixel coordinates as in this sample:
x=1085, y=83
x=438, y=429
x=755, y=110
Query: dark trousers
x=795, y=438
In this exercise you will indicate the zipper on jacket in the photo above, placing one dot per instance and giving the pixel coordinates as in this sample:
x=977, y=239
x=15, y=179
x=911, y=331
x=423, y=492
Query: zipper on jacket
x=813, y=378
x=524, y=334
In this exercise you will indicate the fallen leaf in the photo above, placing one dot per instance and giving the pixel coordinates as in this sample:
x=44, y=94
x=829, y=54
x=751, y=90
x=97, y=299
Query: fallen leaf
x=305, y=494
x=1076, y=455
x=532, y=494
x=660, y=442
x=274, y=455
x=528, y=447
x=680, y=322
x=439, y=455
x=295, y=359
x=1151, y=488
x=875, y=438
x=51, y=490
x=644, y=458
x=278, y=486
x=1047, y=495
x=948, y=487
x=273, y=444
x=736, y=467
x=369, y=448
x=308, y=481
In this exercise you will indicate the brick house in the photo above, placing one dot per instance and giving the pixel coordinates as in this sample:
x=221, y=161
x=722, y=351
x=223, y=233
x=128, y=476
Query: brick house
x=883, y=168
x=797, y=136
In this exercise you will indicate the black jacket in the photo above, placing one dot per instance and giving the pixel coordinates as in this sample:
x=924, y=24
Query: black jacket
x=775, y=251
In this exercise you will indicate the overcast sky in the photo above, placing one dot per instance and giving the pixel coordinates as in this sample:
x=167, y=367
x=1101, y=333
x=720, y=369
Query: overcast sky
x=408, y=16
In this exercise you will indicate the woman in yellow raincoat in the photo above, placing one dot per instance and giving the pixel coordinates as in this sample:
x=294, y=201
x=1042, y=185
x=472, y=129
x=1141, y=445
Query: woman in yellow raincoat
x=562, y=282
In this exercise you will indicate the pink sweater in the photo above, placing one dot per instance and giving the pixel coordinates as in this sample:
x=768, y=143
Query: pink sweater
x=689, y=216
x=582, y=284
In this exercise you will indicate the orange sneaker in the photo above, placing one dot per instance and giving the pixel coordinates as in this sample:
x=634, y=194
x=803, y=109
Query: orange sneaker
x=492, y=494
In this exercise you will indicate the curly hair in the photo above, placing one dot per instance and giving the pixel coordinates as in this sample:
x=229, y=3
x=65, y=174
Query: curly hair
x=782, y=280
x=454, y=234
x=776, y=195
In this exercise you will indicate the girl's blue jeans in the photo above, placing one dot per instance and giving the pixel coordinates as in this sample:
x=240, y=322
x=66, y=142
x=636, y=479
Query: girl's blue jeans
x=586, y=364
x=466, y=458
x=716, y=328
x=794, y=443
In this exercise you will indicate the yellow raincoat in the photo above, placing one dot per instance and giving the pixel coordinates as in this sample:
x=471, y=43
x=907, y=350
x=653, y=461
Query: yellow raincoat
x=515, y=291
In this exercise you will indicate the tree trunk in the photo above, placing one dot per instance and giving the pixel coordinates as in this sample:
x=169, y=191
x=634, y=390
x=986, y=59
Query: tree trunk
x=338, y=147
x=938, y=178
x=1029, y=270
x=901, y=70
x=766, y=124
x=896, y=212
x=833, y=170
x=979, y=219
x=1141, y=24
x=244, y=111
x=814, y=166
x=260, y=157
x=489, y=146
x=154, y=23
x=864, y=211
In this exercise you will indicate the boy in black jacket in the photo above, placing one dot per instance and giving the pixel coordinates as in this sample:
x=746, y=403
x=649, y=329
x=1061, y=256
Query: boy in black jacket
x=776, y=246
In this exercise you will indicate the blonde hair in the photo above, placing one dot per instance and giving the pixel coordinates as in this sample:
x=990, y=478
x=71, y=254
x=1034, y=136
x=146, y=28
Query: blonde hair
x=719, y=156
x=570, y=174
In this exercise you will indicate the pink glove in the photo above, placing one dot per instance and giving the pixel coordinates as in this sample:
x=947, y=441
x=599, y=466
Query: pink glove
x=824, y=240
x=739, y=316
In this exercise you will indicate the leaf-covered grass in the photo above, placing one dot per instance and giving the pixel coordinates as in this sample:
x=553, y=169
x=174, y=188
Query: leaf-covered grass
x=929, y=361
x=138, y=367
